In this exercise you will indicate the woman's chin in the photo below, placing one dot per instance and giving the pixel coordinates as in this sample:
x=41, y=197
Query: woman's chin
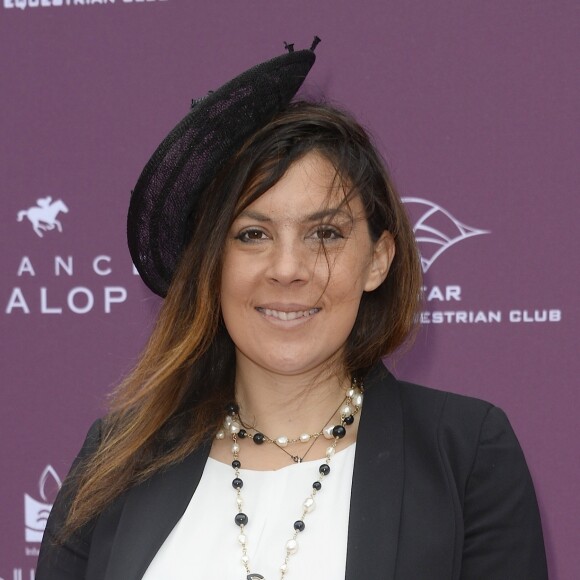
x=289, y=363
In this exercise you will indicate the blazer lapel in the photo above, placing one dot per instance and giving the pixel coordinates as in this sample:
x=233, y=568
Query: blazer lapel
x=377, y=485
x=150, y=512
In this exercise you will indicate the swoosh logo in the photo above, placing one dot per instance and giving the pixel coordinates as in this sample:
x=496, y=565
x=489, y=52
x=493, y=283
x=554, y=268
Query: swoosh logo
x=436, y=230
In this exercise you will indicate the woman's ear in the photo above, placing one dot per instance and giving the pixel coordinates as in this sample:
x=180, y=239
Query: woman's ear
x=383, y=254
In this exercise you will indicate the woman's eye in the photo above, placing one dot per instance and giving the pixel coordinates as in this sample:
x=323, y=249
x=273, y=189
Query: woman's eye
x=251, y=236
x=327, y=234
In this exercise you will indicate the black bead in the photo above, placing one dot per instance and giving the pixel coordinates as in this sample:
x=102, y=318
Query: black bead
x=232, y=408
x=299, y=525
x=339, y=431
x=236, y=464
x=258, y=438
x=237, y=483
x=324, y=469
x=242, y=434
x=317, y=485
x=348, y=420
x=241, y=519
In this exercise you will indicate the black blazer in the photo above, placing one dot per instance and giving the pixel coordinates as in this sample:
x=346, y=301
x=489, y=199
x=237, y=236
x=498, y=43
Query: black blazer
x=440, y=491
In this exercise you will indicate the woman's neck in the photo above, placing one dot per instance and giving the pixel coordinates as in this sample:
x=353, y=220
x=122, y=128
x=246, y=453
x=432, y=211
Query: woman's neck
x=288, y=404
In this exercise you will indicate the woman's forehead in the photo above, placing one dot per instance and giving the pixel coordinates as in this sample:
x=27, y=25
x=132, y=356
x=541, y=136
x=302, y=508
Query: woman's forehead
x=310, y=190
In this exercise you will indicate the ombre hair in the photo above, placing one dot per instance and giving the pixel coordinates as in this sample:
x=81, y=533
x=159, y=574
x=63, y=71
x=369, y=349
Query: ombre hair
x=173, y=400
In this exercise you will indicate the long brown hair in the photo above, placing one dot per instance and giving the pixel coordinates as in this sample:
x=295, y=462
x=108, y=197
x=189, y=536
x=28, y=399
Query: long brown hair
x=173, y=400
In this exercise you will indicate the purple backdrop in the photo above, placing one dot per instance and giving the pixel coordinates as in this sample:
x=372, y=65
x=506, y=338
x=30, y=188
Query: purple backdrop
x=473, y=105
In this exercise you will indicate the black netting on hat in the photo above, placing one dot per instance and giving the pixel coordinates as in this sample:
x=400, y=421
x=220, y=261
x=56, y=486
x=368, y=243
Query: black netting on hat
x=191, y=155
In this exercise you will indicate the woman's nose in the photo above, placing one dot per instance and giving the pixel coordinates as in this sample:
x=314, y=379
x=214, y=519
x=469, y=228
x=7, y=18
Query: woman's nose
x=289, y=263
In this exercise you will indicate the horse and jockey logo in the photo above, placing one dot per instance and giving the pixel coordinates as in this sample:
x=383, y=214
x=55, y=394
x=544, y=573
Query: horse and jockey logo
x=42, y=216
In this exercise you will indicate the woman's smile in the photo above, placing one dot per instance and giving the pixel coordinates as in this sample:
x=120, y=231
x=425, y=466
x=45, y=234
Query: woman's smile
x=288, y=313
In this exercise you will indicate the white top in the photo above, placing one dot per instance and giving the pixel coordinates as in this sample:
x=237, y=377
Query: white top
x=204, y=543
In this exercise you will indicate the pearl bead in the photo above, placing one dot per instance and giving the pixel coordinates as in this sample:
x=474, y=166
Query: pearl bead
x=292, y=546
x=227, y=422
x=309, y=504
x=330, y=451
x=242, y=539
x=235, y=448
x=345, y=411
x=327, y=432
x=350, y=393
x=339, y=431
x=241, y=519
x=284, y=568
x=282, y=441
x=245, y=559
x=304, y=438
x=234, y=427
x=358, y=400
x=220, y=434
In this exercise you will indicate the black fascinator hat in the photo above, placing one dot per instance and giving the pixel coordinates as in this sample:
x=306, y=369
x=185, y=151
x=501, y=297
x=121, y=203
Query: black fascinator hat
x=191, y=155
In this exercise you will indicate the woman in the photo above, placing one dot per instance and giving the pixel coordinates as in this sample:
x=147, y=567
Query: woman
x=289, y=270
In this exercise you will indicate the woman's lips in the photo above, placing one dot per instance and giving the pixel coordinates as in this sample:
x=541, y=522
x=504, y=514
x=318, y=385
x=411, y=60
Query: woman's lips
x=288, y=314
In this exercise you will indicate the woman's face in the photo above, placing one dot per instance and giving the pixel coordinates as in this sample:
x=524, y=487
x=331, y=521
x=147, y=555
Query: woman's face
x=289, y=303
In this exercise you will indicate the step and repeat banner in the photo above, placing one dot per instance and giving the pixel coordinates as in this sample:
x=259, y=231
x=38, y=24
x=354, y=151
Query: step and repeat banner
x=473, y=104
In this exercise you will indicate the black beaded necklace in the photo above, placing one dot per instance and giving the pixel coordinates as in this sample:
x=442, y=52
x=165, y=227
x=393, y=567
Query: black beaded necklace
x=233, y=424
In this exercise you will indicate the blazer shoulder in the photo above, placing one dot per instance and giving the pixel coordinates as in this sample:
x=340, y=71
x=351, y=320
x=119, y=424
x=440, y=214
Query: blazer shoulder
x=425, y=404
x=455, y=424
x=439, y=403
x=460, y=429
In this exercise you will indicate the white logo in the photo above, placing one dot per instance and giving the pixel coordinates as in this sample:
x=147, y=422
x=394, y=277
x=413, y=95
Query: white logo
x=437, y=230
x=42, y=216
x=36, y=512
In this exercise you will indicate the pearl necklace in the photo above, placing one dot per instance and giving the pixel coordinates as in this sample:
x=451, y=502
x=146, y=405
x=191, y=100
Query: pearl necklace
x=349, y=407
x=232, y=422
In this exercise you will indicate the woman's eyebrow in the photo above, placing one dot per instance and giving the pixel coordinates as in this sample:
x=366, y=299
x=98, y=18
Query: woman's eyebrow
x=313, y=217
x=329, y=212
